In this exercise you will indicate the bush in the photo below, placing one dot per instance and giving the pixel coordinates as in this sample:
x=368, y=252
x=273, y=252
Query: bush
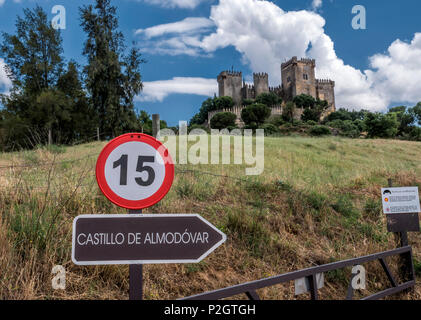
x=197, y=126
x=347, y=127
x=255, y=114
x=268, y=99
x=223, y=120
x=270, y=129
x=382, y=125
x=320, y=131
x=277, y=121
x=311, y=123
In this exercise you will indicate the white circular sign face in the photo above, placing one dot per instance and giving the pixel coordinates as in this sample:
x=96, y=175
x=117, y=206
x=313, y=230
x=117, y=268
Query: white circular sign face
x=134, y=170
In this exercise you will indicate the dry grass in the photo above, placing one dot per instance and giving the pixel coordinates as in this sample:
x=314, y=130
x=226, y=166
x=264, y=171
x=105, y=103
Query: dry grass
x=317, y=201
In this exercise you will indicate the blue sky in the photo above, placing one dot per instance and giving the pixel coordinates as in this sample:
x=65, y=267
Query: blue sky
x=188, y=42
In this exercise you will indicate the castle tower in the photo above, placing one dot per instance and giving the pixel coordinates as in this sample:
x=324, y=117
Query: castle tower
x=230, y=84
x=326, y=91
x=299, y=77
x=261, y=83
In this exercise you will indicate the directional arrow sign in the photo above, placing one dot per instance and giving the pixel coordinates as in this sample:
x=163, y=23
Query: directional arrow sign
x=143, y=239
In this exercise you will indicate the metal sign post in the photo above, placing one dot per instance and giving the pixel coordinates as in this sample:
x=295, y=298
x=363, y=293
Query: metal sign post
x=405, y=200
x=135, y=275
x=135, y=171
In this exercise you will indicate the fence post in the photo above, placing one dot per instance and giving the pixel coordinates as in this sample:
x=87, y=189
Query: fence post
x=156, y=125
x=97, y=133
x=50, y=137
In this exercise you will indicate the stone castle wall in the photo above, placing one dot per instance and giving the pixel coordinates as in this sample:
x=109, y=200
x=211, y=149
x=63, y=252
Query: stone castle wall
x=275, y=111
x=298, y=77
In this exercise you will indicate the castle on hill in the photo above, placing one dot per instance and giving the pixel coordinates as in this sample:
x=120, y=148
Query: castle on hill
x=298, y=77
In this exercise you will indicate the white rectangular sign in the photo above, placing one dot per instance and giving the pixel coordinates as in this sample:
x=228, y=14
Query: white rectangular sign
x=401, y=200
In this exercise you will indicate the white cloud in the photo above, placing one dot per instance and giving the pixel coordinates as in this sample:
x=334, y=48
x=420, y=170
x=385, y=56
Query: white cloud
x=266, y=36
x=317, y=4
x=187, y=25
x=184, y=4
x=5, y=82
x=185, y=37
x=2, y=2
x=397, y=74
x=159, y=90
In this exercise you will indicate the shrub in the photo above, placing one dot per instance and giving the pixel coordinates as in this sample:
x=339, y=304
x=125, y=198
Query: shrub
x=311, y=123
x=223, y=120
x=320, y=131
x=268, y=99
x=277, y=121
x=256, y=113
x=197, y=126
x=381, y=125
x=269, y=129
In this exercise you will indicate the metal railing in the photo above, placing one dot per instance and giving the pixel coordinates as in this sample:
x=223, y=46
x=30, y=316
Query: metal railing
x=249, y=288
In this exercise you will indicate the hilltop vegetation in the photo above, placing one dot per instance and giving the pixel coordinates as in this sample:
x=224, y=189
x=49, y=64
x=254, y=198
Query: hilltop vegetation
x=399, y=122
x=317, y=201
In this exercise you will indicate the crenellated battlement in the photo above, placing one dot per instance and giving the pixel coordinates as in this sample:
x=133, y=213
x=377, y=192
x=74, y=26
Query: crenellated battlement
x=261, y=75
x=294, y=60
x=325, y=81
x=278, y=88
x=232, y=73
x=308, y=61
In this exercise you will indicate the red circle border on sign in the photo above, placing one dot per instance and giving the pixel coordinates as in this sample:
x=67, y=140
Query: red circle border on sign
x=135, y=204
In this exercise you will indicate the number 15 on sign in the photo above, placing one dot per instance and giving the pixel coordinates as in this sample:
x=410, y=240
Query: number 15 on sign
x=135, y=171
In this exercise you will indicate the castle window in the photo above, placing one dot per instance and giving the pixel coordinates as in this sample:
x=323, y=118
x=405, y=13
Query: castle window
x=305, y=76
x=289, y=79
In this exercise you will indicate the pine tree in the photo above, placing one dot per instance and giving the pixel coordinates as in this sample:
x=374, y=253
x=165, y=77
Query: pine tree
x=112, y=79
x=34, y=63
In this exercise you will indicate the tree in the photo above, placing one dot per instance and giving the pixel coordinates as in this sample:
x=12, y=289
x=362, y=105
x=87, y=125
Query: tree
x=304, y=101
x=112, y=79
x=209, y=105
x=381, y=125
x=82, y=116
x=255, y=114
x=223, y=120
x=288, y=112
x=268, y=99
x=416, y=113
x=201, y=117
x=314, y=112
x=405, y=119
x=34, y=55
x=145, y=122
x=340, y=114
x=34, y=64
x=222, y=103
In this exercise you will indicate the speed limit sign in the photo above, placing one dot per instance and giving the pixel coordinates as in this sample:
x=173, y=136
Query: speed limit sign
x=135, y=171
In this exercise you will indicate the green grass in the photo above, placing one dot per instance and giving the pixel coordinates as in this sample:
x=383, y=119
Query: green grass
x=316, y=201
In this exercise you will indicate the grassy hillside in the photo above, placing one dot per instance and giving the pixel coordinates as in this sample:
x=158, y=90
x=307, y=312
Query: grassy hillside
x=317, y=201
